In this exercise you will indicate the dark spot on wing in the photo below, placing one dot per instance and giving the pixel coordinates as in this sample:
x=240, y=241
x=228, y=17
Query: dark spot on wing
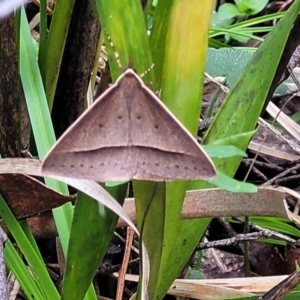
x=138, y=117
x=100, y=125
x=120, y=117
x=176, y=166
x=156, y=126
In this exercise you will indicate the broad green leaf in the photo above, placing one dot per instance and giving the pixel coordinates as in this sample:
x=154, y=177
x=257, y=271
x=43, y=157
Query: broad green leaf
x=246, y=99
x=220, y=21
x=91, y=229
x=232, y=185
x=229, y=11
x=227, y=62
x=223, y=151
x=237, y=140
x=114, y=183
x=251, y=7
x=180, y=55
x=124, y=23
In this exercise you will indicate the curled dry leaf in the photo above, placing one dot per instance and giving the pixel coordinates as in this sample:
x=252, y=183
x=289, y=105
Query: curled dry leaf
x=27, y=196
x=91, y=188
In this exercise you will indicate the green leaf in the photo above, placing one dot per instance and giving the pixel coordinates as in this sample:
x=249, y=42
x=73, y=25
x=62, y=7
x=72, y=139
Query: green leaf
x=296, y=117
x=251, y=7
x=41, y=122
x=55, y=46
x=236, y=140
x=42, y=46
x=40, y=119
x=242, y=37
x=17, y=266
x=240, y=111
x=218, y=20
x=87, y=233
x=114, y=183
x=223, y=151
x=37, y=266
x=229, y=11
x=242, y=106
x=227, y=62
x=277, y=224
x=180, y=55
x=290, y=296
x=194, y=274
x=232, y=185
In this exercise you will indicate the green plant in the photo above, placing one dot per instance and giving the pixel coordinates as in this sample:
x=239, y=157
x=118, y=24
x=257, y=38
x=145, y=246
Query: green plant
x=241, y=8
x=177, y=46
x=228, y=12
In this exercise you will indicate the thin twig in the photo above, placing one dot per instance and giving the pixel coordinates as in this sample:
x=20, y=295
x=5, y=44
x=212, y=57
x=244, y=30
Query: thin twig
x=122, y=272
x=272, y=180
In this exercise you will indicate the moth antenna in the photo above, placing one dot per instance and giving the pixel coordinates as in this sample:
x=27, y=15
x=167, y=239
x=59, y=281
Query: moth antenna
x=130, y=61
x=114, y=49
x=147, y=71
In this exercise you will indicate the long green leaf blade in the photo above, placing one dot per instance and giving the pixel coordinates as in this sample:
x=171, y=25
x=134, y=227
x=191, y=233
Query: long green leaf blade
x=38, y=267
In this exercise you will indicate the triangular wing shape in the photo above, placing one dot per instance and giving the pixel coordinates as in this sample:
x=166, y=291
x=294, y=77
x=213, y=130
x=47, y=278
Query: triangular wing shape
x=128, y=133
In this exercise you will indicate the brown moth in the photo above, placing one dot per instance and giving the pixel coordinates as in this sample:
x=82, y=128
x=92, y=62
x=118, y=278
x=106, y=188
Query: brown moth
x=128, y=133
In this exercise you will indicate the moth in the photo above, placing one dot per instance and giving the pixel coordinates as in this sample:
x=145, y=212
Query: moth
x=128, y=133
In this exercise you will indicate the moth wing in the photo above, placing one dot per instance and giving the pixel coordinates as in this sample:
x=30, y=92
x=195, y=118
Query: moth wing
x=88, y=142
x=97, y=127
x=128, y=133
x=156, y=133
